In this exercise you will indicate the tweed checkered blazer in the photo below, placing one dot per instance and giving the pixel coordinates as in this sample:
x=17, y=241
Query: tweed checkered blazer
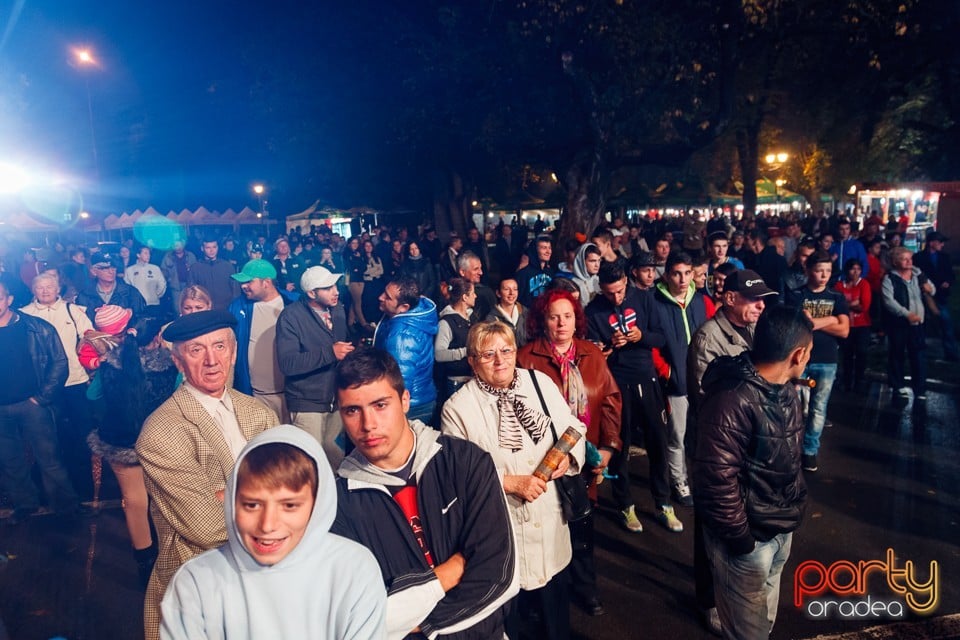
x=185, y=462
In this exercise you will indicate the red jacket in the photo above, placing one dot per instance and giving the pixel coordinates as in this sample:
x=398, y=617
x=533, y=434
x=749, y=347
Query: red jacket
x=853, y=293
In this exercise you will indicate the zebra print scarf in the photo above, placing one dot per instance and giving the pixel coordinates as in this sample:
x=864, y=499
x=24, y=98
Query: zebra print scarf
x=516, y=416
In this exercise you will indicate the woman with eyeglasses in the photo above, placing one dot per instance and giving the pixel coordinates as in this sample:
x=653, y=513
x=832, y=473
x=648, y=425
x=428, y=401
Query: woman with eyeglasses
x=508, y=412
x=557, y=328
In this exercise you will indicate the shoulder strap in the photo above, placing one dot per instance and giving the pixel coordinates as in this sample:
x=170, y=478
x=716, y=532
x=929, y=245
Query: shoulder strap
x=536, y=385
x=75, y=327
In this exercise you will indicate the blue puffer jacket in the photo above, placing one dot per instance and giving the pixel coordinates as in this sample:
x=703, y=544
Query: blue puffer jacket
x=408, y=337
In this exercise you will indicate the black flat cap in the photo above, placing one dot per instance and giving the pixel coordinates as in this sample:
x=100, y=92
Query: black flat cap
x=197, y=324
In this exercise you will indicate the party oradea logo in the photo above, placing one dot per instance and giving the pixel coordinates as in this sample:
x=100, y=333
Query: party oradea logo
x=867, y=589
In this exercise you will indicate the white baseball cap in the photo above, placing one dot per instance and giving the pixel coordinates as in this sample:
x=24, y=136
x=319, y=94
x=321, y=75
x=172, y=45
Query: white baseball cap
x=318, y=278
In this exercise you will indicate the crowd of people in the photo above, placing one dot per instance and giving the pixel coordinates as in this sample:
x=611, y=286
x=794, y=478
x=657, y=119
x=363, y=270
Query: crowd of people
x=340, y=437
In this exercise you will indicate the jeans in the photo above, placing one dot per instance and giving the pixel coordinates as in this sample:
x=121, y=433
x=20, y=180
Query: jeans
x=748, y=586
x=26, y=423
x=678, y=430
x=74, y=420
x=824, y=374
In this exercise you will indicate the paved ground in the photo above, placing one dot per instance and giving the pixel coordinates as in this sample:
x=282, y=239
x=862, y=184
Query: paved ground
x=889, y=478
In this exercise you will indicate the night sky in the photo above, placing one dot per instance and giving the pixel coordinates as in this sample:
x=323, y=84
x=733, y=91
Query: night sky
x=194, y=102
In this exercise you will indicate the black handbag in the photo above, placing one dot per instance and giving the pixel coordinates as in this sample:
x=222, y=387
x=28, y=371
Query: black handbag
x=574, y=500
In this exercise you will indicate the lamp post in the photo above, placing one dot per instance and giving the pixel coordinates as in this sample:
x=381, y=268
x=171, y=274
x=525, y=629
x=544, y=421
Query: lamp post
x=259, y=189
x=775, y=162
x=84, y=59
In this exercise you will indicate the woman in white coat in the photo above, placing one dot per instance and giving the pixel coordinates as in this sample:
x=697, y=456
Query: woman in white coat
x=501, y=411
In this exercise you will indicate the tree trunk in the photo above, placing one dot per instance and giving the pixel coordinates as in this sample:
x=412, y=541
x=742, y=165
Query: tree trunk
x=748, y=152
x=586, y=198
x=452, y=204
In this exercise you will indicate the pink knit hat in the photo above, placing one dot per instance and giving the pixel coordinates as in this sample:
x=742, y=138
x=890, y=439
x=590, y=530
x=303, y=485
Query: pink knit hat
x=112, y=318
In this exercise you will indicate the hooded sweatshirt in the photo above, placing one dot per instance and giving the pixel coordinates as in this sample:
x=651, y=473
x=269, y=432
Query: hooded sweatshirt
x=589, y=285
x=679, y=321
x=461, y=508
x=326, y=587
x=408, y=337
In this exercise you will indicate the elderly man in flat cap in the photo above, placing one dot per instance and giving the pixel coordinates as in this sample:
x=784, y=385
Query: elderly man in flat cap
x=188, y=447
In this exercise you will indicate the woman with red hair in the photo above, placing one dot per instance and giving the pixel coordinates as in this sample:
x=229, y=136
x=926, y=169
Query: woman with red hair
x=556, y=326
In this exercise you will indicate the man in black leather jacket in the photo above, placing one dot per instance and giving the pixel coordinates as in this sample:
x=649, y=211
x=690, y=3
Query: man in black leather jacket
x=35, y=368
x=749, y=485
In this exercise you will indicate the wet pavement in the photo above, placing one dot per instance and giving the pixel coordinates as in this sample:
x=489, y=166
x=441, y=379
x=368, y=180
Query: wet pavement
x=889, y=478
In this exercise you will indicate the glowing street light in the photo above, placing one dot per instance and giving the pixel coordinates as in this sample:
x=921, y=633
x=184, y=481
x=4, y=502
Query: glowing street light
x=777, y=158
x=259, y=189
x=84, y=58
x=775, y=162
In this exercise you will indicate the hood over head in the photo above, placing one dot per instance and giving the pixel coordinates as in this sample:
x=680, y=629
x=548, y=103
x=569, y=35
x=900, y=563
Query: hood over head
x=324, y=506
x=580, y=262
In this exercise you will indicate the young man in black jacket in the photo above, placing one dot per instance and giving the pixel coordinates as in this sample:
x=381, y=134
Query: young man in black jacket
x=749, y=485
x=429, y=507
x=680, y=310
x=620, y=319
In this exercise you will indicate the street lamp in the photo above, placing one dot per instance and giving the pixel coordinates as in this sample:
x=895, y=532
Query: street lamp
x=775, y=162
x=259, y=190
x=84, y=59
x=777, y=158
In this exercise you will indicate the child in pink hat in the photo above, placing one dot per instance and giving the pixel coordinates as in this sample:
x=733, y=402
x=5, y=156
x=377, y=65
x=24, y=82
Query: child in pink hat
x=111, y=320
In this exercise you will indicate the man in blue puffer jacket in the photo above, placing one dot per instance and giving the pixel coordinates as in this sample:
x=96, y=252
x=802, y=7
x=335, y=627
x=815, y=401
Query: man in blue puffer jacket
x=406, y=332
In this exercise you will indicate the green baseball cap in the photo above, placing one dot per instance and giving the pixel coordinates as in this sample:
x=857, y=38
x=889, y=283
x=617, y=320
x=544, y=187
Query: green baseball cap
x=255, y=269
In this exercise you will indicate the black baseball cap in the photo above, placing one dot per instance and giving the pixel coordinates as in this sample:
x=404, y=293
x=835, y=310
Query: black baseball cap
x=747, y=283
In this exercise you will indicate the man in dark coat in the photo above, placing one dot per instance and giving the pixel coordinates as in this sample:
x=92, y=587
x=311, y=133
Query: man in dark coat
x=749, y=485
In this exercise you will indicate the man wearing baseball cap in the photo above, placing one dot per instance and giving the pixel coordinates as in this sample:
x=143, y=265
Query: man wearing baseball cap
x=728, y=333
x=106, y=289
x=188, y=447
x=256, y=310
x=311, y=340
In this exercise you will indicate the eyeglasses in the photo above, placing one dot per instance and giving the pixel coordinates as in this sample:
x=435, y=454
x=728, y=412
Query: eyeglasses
x=488, y=356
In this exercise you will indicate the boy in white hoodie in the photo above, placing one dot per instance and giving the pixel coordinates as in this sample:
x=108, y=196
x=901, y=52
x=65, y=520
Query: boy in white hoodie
x=282, y=574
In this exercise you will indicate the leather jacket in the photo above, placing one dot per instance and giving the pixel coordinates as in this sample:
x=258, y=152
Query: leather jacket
x=603, y=394
x=48, y=357
x=748, y=481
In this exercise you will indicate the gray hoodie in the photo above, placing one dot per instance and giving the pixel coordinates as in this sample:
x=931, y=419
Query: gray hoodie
x=589, y=285
x=325, y=587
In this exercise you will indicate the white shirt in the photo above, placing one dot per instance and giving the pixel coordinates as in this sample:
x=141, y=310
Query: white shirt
x=148, y=280
x=222, y=411
x=265, y=375
x=70, y=332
